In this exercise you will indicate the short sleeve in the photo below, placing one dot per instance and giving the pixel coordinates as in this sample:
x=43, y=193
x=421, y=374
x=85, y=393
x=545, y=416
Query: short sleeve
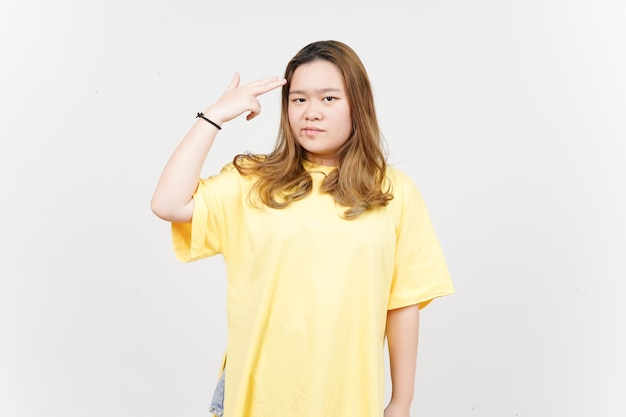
x=215, y=203
x=420, y=270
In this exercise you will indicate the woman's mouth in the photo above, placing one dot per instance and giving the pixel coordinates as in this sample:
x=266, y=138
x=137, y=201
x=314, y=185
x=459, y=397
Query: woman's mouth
x=312, y=131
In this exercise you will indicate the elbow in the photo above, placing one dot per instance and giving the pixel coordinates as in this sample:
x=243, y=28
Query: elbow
x=159, y=209
x=167, y=212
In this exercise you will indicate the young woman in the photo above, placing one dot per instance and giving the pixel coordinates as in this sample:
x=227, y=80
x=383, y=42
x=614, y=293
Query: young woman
x=328, y=249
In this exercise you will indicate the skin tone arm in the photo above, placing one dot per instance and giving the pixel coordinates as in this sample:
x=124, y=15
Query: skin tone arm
x=172, y=199
x=402, y=336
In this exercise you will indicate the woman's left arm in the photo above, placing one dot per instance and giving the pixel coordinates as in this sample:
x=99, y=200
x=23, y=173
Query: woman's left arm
x=402, y=336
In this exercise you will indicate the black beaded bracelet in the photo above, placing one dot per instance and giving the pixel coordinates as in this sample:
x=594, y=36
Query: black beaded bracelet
x=200, y=114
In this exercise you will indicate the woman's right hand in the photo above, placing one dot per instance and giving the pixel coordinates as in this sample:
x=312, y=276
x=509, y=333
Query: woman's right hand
x=173, y=196
x=237, y=99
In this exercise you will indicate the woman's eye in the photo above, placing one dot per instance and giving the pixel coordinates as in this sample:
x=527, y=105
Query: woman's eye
x=329, y=98
x=298, y=100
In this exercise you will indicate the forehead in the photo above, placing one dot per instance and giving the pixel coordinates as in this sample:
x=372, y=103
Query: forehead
x=317, y=75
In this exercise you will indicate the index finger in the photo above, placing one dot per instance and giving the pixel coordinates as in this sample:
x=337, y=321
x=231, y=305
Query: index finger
x=266, y=85
x=261, y=81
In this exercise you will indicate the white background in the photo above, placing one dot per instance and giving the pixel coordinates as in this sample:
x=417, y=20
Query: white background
x=509, y=116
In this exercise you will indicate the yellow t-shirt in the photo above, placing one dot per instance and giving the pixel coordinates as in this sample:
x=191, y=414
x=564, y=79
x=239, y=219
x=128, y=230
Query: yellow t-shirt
x=308, y=292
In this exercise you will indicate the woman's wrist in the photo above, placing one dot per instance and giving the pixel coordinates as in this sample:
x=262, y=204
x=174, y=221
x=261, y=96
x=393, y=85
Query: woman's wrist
x=209, y=121
x=402, y=402
x=214, y=115
x=397, y=409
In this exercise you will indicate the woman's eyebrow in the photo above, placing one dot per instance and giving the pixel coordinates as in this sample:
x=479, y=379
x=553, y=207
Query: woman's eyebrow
x=318, y=91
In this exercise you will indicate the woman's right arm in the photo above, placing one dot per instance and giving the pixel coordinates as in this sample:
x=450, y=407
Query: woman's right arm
x=173, y=197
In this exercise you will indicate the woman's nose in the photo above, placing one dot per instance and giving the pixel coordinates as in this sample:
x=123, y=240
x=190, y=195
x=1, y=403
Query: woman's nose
x=312, y=112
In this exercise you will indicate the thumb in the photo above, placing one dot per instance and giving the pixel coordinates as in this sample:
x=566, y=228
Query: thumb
x=235, y=82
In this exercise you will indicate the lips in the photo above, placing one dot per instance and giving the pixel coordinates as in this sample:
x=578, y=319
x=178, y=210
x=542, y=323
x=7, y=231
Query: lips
x=311, y=130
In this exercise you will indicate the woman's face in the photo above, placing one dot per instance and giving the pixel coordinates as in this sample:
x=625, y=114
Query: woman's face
x=319, y=113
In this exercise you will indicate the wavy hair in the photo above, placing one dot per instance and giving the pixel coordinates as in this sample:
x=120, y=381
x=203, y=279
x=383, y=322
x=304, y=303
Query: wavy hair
x=358, y=182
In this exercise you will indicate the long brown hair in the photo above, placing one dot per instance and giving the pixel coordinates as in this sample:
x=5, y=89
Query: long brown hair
x=359, y=180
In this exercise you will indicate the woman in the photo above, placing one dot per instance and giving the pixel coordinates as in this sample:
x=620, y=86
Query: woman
x=328, y=250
